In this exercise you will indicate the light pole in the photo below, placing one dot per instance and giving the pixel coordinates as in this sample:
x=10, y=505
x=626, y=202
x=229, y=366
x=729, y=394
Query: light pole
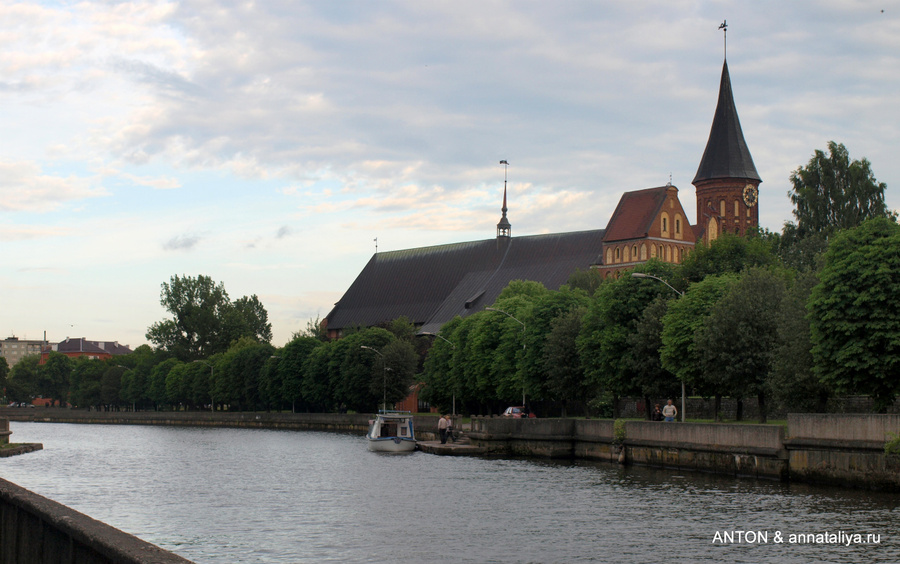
x=680, y=294
x=452, y=345
x=384, y=377
x=523, y=343
x=212, y=404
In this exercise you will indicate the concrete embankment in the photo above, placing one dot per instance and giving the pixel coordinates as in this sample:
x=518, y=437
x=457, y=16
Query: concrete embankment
x=347, y=422
x=36, y=530
x=846, y=450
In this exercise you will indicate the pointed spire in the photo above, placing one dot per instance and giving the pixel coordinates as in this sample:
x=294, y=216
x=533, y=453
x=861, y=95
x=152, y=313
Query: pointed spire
x=504, y=229
x=726, y=154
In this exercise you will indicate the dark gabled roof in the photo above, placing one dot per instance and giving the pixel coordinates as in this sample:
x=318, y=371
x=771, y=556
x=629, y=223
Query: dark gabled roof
x=93, y=347
x=726, y=154
x=635, y=213
x=432, y=285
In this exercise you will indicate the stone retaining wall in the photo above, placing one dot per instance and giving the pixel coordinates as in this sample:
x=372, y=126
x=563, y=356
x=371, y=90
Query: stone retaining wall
x=36, y=530
x=833, y=449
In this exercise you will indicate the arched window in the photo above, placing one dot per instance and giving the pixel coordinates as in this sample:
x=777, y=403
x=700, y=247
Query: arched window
x=609, y=255
x=665, y=224
x=737, y=212
x=643, y=251
x=722, y=208
x=634, y=255
x=652, y=250
x=712, y=229
x=618, y=254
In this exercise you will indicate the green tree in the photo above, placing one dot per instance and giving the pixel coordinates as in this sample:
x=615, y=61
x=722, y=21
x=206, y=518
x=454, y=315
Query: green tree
x=565, y=380
x=4, y=373
x=736, y=344
x=610, y=321
x=21, y=385
x=642, y=357
x=729, y=253
x=854, y=319
x=84, y=382
x=204, y=321
x=53, y=378
x=681, y=323
x=111, y=385
x=832, y=193
x=793, y=383
x=292, y=368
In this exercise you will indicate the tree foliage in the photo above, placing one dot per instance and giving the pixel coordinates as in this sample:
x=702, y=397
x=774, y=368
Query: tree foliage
x=832, y=193
x=736, y=344
x=854, y=319
x=204, y=321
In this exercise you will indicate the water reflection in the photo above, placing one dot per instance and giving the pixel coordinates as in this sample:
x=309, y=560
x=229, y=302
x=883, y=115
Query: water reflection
x=233, y=495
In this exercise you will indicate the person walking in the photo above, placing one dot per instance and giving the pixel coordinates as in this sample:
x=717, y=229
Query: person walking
x=670, y=412
x=442, y=428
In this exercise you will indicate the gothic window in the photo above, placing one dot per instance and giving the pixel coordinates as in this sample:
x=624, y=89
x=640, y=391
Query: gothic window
x=643, y=251
x=722, y=208
x=609, y=256
x=665, y=224
x=618, y=254
x=634, y=255
x=712, y=229
x=652, y=250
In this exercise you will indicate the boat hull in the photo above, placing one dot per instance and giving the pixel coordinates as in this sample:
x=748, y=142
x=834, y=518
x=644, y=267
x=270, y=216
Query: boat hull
x=392, y=444
x=392, y=432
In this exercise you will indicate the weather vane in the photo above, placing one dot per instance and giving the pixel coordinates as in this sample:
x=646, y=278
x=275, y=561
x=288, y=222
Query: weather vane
x=724, y=27
x=376, y=245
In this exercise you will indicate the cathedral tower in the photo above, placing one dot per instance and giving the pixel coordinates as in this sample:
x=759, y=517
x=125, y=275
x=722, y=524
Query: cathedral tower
x=727, y=182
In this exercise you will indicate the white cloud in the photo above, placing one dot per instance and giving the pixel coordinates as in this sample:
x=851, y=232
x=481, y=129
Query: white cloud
x=25, y=187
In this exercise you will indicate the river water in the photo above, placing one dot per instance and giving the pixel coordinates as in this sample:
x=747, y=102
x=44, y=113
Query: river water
x=238, y=495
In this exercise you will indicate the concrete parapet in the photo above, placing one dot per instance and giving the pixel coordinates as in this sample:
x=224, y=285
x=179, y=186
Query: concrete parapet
x=760, y=439
x=844, y=449
x=36, y=530
x=837, y=430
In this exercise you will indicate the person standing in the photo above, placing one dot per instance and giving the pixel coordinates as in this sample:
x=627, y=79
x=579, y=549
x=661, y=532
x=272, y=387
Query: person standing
x=657, y=414
x=450, y=428
x=670, y=412
x=442, y=429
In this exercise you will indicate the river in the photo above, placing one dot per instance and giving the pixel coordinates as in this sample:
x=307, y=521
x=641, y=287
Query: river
x=239, y=495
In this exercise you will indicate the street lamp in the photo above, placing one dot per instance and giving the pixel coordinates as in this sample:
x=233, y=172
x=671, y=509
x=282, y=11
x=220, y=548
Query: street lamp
x=523, y=343
x=212, y=404
x=452, y=345
x=680, y=294
x=384, y=377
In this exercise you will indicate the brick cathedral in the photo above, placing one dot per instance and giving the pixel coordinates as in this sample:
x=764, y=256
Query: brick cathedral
x=432, y=285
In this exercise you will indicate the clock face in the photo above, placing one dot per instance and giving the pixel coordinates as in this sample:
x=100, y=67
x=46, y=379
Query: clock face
x=750, y=195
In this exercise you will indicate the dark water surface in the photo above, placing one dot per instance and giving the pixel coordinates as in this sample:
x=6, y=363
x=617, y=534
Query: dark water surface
x=235, y=495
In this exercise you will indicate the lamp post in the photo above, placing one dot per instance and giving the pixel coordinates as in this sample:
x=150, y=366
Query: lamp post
x=680, y=294
x=384, y=375
x=212, y=404
x=452, y=345
x=523, y=343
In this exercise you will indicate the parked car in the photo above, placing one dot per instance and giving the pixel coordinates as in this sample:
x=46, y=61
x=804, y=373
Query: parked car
x=517, y=412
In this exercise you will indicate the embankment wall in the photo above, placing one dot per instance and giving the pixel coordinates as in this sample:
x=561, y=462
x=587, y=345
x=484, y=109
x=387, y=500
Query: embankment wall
x=834, y=449
x=36, y=530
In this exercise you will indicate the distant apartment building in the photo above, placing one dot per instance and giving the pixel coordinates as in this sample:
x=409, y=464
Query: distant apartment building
x=74, y=348
x=14, y=349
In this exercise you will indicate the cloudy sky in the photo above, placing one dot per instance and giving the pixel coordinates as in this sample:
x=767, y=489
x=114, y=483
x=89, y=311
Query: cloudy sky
x=267, y=144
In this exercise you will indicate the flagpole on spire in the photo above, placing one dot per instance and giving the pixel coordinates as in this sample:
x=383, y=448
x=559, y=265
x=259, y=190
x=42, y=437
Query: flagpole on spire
x=724, y=27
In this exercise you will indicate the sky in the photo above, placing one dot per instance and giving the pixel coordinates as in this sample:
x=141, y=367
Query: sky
x=269, y=144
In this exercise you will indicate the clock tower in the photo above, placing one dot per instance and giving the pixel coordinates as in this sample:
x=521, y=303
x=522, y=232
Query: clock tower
x=727, y=183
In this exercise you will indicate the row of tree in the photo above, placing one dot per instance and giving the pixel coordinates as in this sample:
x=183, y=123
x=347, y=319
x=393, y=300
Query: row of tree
x=791, y=318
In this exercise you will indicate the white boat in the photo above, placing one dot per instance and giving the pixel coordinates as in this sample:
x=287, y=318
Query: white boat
x=392, y=431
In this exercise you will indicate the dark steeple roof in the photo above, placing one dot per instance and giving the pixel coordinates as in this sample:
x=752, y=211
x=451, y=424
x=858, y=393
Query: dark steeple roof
x=726, y=154
x=504, y=229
